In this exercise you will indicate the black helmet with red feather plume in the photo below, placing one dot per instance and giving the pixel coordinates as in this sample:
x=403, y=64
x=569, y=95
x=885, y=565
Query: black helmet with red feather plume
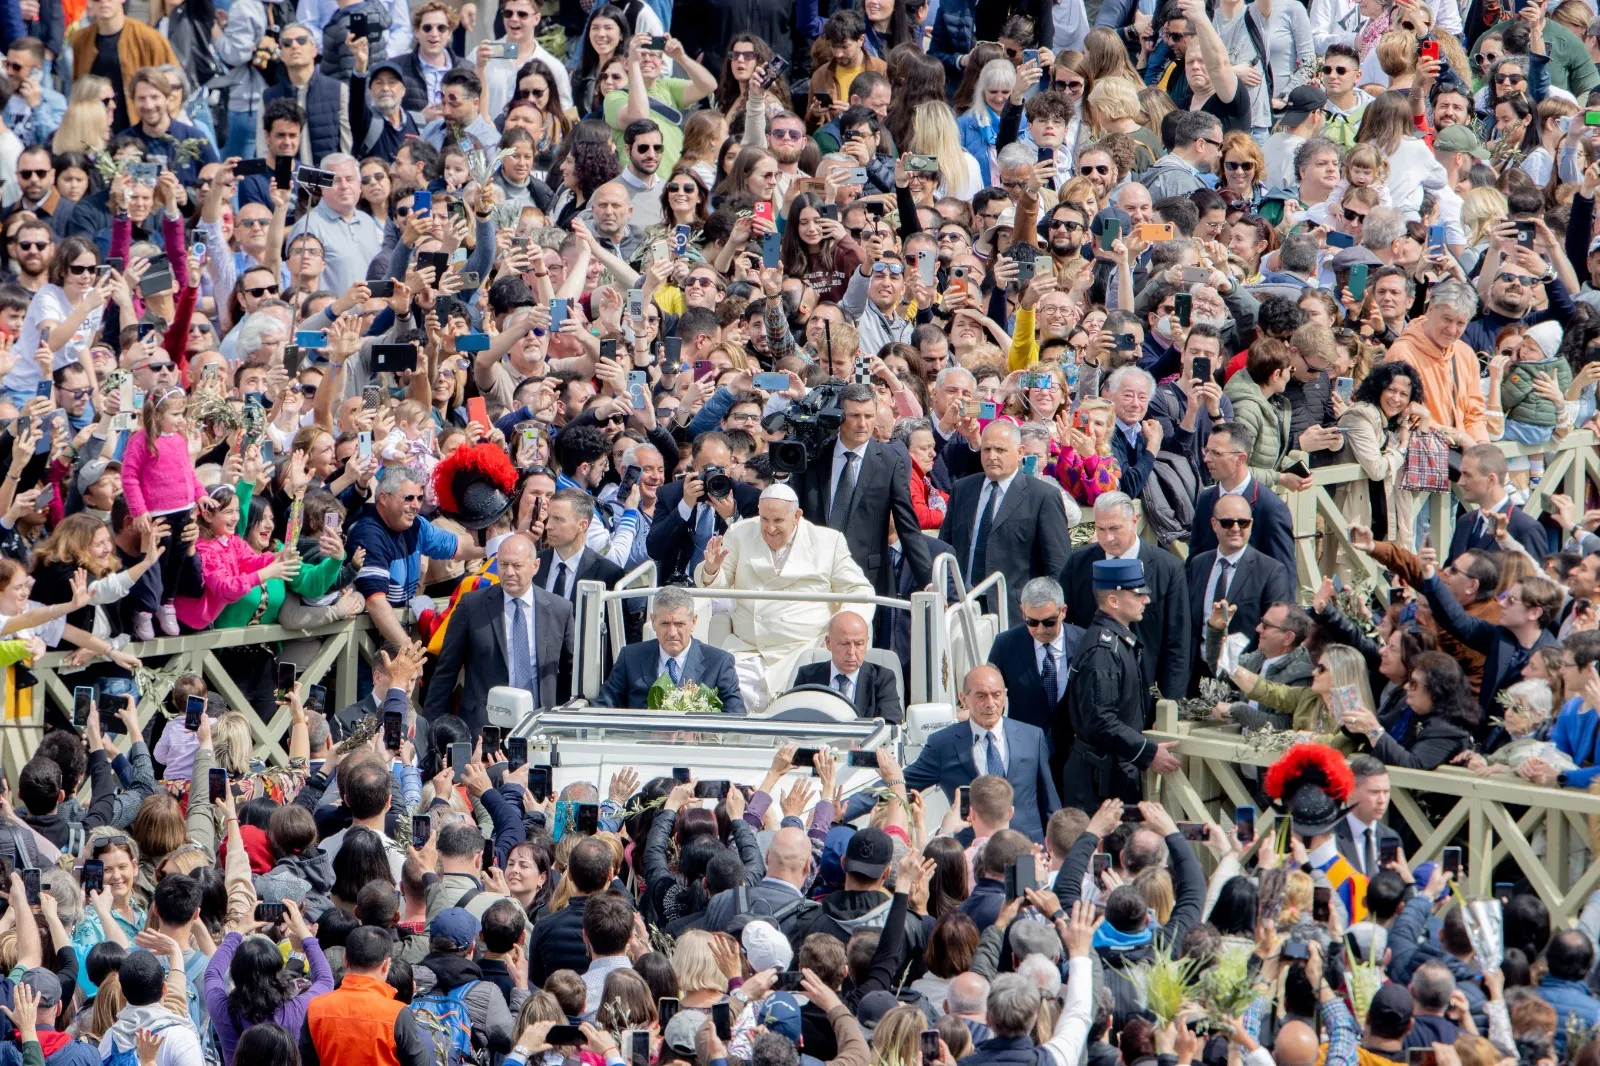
x=1311, y=783
x=475, y=484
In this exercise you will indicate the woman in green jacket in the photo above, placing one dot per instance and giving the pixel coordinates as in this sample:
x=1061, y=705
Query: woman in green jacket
x=1312, y=709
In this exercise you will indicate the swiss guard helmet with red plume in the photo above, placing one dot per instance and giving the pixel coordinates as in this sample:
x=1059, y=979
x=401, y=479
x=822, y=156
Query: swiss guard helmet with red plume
x=475, y=484
x=1311, y=783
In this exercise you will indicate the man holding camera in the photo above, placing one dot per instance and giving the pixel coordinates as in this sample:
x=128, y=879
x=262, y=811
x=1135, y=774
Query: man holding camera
x=858, y=486
x=695, y=508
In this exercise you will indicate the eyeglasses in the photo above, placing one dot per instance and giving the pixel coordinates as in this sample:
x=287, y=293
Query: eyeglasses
x=109, y=101
x=293, y=42
x=1354, y=216
x=532, y=94
x=199, y=327
x=1317, y=669
x=160, y=368
x=1023, y=184
x=690, y=188
x=33, y=246
x=76, y=394
x=1338, y=71
x=1215, y=144
x=1508, y=77
x=1412, y=682
x=787, y=135
x=1067, y=86
x=651, y=149
x=83, y=268
x=1064, y=223
x=1035, y=623
x=1174, y=36
x=617, y=419
x=1231, y=165
x=434, y=27
x=700, y=283
x=952, y=237
x=518, y=15
x=742, y=56
x=26, y=174
x=265, y=290
x=1098, y=168
x=252, y=223
x=888, y=267
x=1520, y=280
x=401, y=212
x=108, y=843
x=1234, y=523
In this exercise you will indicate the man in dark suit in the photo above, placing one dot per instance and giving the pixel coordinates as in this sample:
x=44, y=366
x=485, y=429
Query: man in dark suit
x=867, y=685
x=892, y=625
x=687, y=516
x=1033, y=657
x=513, y=633
x=1233, y=571
x=569, y=559
x=1003, y=520
x=990, y=743
x=674, y=653
x=1163, y=632
x=1483, y=483
x=859, y=486
x=1360, y=833
x=1227, y=456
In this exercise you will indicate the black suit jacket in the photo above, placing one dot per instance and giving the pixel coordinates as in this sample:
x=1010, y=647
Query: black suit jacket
x=882, y=494
x=875, y=695
x=1350, y=848
x=1523, y=527
x=1029, y=536
x=476, y=640
x=592, y=566
x=671, y=539
x=1257, y=583
x=639, y=667
x=1163, y=632
x=1271, y=532
x=1013, y=654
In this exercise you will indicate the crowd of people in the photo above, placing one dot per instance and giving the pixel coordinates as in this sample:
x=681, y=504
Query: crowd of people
x=433, y=311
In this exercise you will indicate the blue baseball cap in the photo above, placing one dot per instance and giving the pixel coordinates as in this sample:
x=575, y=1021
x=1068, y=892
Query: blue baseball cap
x=1120, y=574
x=457, y=925
x=780, y=1013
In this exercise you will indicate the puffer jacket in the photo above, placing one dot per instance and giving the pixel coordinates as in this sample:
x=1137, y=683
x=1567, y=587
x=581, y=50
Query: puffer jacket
x=1521, y=403
x=1268, y=418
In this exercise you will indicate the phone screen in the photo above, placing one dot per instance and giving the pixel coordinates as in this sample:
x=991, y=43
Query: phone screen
x=219, y=784
x=588, y=819
x=460, y=755
x=94, y=875
x=193, y=708
x=1321, y=903
x=82, y=705
x=538, y=776
x=1244, y=822
x=286, y=676
x=421, y=829
x=964, y=797
x=721, y=1019
x=516, y=752
x=393, y=726
x=930, y=1047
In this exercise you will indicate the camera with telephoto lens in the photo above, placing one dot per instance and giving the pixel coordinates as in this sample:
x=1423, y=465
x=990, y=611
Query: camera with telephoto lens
x=717, y=482
x=811, y=425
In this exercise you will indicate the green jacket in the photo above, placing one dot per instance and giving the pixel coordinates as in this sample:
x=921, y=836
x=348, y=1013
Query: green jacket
x=1517, y=398
x=315, y=579
x=1570, y=66
x=1268, y=419
x=1303, y=705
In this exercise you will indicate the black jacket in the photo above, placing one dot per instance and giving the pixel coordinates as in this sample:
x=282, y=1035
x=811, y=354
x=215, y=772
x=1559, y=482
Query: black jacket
x=1503, y=658
x=557, y=943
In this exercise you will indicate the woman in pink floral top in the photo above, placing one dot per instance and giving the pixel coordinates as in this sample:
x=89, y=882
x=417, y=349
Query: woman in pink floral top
x=1086, y=468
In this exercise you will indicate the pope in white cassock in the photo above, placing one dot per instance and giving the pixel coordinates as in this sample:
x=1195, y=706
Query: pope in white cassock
x=779, y=551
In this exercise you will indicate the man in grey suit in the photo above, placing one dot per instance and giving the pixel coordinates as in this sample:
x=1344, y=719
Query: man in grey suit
x=512, y=633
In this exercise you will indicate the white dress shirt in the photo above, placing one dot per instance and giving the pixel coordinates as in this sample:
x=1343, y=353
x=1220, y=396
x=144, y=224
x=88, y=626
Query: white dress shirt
x=1216, y=575
x=998, y=489
x=849, y=692
x=980, y=745
x=551, y=585
x=1358, y=833
x=839, y=452
x=1239, y=490
x=661, y=668
x=1058, y=648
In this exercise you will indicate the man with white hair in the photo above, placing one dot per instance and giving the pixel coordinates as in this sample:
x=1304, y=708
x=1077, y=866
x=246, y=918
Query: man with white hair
x=1033, y=655
x=780, y=552
x=350, y=238
x=1136, y=437
x=1164, y=647
x=261, y=338
x=967, y=998
x=1447, y=368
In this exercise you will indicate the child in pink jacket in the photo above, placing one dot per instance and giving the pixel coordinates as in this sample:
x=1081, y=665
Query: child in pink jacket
x=229, y=566
x=159, y=482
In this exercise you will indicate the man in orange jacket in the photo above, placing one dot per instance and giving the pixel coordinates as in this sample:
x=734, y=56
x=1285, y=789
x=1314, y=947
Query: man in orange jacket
x=361, y=1023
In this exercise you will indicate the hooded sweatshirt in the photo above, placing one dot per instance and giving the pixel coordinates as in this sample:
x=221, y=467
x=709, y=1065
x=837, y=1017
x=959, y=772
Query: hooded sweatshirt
x=180, y=1044
x=492, y=1017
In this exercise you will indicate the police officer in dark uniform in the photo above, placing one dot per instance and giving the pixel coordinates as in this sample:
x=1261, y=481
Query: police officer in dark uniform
x=1107, y=696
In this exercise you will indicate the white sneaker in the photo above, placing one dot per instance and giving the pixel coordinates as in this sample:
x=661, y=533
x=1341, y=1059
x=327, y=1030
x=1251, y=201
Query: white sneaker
x=143, y=626
x=167, y=618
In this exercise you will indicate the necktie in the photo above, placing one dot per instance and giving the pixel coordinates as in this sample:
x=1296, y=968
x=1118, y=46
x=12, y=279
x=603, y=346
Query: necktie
x=561, y=580
x=842, y=683
x=521, y=654
x=980, y=537
x=1047, y=674
x=674, y=671
x=1222, y=581
x=839, y=510
x=991, y=757
x=894, y=565
x=1369, y=856
x=705, y=527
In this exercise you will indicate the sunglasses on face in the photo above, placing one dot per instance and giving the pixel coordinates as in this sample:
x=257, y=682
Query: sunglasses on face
x=742, y=56
x=27, y=174
x=1097, y=168
x=532, y=94
x=787, y=135
x=700, y=283
x=265, y=290
x=252, y=223
x=109, y=101
x=687, y=189
x=1067, y=86
x=161, y=368
x=76, y=394
x=1065, y=223
x=33, y=246
x=434, y=27
x=1520, y=280
x=886, y=267
x=1035, y=623
x=410, y=497
x=1235, y=523
x=292, y=42
x=1235, y=167
x=82, y=268
x=647, y=149
x=1508, y=78
x=401, y=212
x=1354, y=216
x=1339, y=71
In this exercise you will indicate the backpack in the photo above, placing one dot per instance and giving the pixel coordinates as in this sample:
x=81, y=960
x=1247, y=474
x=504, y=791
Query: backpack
x=443, y=1017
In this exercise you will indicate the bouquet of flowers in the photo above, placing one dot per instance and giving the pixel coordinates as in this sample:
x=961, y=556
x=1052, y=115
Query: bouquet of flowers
x=690, y=697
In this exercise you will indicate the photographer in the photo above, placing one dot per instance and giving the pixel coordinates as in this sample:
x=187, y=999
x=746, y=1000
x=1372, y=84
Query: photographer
x=696, y=507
